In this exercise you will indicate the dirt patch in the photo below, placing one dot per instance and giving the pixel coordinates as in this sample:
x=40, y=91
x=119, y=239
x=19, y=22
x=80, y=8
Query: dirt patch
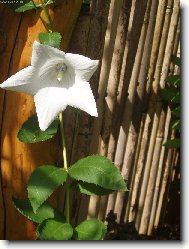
x=127, y=231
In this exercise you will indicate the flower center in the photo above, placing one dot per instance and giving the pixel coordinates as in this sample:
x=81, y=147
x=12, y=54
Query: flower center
x=61, y=69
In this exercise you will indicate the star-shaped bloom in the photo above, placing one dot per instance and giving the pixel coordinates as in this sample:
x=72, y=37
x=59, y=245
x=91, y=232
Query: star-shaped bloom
x=56, y=80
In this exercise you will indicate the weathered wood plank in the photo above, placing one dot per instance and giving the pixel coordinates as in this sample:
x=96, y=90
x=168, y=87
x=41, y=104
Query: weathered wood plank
x=18, y=160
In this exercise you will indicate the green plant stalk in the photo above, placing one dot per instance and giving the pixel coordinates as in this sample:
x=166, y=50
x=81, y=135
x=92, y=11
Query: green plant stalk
x=64, y=155
x=47, y=15
x=37, y=11
x=75, y=135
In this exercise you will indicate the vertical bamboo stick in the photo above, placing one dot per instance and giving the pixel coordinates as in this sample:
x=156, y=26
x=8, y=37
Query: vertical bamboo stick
x=159, y=176
x=156, y=41
x=138, y=106
x=112, y=87
x=134, y=35
x=152, y=176
x=113, y=18
x=150, y=124
x=166, y=174
x=128, y=110
x=166, y=64
x=114, y=77
x=129, y=106
x=131, y=44
x=110, y=36
x=160, y=167
x=140, y=92
x=171, y=40
x=134, y=31
x=164, y=187
x=127, y=215
x=176, y=47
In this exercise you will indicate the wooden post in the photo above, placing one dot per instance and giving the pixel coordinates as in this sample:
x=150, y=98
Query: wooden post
x=18, y=160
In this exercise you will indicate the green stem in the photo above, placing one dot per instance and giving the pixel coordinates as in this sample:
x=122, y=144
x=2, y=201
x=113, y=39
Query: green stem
x=47, y=15
x=75, y=135
x=64, y=155
x=37, y=11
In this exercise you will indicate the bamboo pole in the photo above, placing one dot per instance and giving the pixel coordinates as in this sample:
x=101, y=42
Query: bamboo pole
x=126, y=214
x=138, y=108
x=165, y=67
x=159, y=176
x=171, y=40
x=114, y=76
x=134, y=31
x=160, y=167
x=175, y=48
x=112, y=87
x=152, y=176
x=110, y=36
x=165, y=176
x=156, y=41
x=127, y=115
x=162, y=198
x=113, y=18
x=132, y=43
x=128, y=61
x=152, y=119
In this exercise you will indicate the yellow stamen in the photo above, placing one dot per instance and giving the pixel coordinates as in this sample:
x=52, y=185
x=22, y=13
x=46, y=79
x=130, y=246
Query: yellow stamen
x=60, y=75
x=61, y=69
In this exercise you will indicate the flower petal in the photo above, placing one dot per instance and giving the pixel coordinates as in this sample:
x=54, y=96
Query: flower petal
x=49, y=102
x=84, y=67
x=22, y=81
x=81, y=96
x=42, y=53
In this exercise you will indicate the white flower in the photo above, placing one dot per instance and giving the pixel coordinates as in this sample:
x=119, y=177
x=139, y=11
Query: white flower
x=56, y=80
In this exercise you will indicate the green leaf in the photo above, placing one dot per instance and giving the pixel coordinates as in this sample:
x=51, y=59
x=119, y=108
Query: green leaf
x=16, y=5
x=45, y=211
x=90, y=188
x=51, y=39
x=49, y=2
x=24, y=5
x=31, y=133
x=174, y=79
x=42, y=183
x=176, y=60
x=176, y=125
x=98, y=170
x=173, y=143
x=176, y=111
x=171, y=95
x=54, y=230
x=176, y=98
x=90, y=230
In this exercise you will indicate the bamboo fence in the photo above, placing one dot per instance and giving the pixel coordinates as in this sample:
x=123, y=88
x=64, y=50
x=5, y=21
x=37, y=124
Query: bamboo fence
x=134, y=41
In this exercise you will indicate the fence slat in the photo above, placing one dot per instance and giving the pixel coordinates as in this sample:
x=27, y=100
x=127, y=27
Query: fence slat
x=18, y=160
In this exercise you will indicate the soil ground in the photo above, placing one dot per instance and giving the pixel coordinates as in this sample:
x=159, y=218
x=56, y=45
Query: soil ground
x=127, y=231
